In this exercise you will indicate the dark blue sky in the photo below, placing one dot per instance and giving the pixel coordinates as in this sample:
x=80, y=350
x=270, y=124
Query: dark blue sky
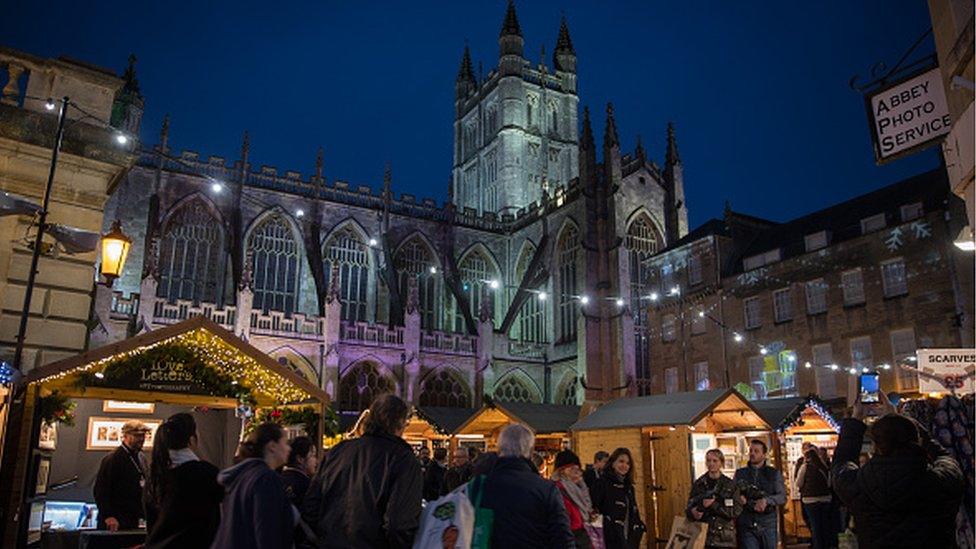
x=758, y=91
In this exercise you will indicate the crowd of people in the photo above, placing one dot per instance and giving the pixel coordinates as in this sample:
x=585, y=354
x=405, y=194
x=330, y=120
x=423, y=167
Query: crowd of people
x=369, y=491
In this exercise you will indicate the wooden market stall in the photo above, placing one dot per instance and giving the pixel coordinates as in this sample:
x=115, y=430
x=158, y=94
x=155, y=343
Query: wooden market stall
x=668, y=436
x=429, y=426
x=796, y=420
x=193, y=366
x=549, y=422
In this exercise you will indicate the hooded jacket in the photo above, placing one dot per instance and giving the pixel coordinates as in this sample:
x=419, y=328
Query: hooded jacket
x=367, y=494
x=907, y=499
x=615, y=499
x=255, y=513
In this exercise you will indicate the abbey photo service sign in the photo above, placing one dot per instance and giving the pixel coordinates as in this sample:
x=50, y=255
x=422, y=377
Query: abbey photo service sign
x=946, y=370
x=909, y=115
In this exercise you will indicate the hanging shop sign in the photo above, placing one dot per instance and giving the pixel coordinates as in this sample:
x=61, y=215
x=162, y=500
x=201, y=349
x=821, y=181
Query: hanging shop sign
x=908, y=115
x=946, y=370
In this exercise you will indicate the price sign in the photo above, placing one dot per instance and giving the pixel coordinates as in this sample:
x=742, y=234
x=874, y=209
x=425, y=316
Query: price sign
x=946, y=370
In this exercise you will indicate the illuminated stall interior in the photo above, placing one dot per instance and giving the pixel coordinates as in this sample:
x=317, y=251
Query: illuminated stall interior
x=194, y=366
x=549, y=422
x=668, y=436
x=429, y=426
x=796, y=420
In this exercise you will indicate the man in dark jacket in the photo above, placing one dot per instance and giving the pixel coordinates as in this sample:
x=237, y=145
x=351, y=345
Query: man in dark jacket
x=908, y=494
x=529, y=510
x=761, y=491
x=121, y=478
x=434, y=477
x=368, y=492
x=595, y=471
x=459, y=472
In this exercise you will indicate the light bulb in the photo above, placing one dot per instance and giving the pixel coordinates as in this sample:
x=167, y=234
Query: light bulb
x=737, y=337
x=542, y=296
x=701, y=314
x=49, y=104
x=762, y=350
x=372, y=242
x=494, y=284
x=585, y=299
x=807, y=365
x=121, y=138
x=300, y=213
x=653, y=296
x=433, y=270
x=216, y=187
x=619, y=302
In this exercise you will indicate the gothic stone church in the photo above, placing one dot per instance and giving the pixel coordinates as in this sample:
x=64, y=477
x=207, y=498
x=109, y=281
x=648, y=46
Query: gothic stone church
x=526, y=285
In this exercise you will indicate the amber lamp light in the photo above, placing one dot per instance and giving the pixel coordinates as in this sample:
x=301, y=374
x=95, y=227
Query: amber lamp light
x=115, y=248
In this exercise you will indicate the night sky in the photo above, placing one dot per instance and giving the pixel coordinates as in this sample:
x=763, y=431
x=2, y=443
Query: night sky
x=758, y=91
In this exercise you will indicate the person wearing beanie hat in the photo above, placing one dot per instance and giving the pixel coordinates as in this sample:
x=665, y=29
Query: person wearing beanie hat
x=568, y=475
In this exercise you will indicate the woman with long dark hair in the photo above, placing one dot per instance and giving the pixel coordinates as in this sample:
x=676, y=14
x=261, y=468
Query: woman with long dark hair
x=813, y=483
x=256, y=513
x=183, y=494
x=613, y=496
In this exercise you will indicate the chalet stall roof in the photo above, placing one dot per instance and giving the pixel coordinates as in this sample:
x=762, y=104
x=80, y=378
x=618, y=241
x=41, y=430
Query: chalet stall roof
x=543, y=419
x=425, y=421
x=784, y=413
x=219, y=349
x=445, y=419
x=724, y=409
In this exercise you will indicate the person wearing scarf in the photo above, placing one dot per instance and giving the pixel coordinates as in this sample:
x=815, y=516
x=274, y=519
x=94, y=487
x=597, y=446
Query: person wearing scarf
x=183, y=507
x=568, y=475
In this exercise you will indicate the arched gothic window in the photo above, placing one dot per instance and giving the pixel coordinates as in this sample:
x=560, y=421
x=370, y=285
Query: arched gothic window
x=642, y=242
x=414, y=259
x=361, y=385
x=277, y=261
x=568, y=284
x=568, y=396
x=348, y=251
x=532, y=315
x=443, y=389
x=191, y=258
x=513, y=389
x=475, y=272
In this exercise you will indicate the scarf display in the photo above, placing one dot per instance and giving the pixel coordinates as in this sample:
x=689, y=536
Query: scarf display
x=950, y=421
x=578, y=493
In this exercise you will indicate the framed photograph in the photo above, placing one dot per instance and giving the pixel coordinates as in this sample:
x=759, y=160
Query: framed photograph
x=105, y=433
x=48, y=439
x=128, y=407
x=43, y=474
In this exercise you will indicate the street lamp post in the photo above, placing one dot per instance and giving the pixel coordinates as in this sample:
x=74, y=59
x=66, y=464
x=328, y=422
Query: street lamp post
x=39, y=239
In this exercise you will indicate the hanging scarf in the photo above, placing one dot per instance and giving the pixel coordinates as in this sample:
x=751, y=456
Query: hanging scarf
x=579, y=494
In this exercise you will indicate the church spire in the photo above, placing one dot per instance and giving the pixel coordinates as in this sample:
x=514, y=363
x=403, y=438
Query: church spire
x=671, y=157
x=466, y=72
x=511, y=24
x=610, y=132
x=564, y=56
x=639, y=150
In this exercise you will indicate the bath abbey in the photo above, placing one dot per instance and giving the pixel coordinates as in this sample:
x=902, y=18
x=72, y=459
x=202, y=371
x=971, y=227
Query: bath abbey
x=526, y=285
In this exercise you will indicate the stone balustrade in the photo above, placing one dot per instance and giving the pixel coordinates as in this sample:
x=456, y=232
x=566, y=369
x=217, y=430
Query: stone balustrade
x=171, y=313
x=378, y=335
x=277, y=323
x=448, y=342
x=124, y=306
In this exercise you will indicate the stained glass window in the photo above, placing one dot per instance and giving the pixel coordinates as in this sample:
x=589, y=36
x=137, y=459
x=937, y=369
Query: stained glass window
x=361, y=385
x=443, y=389
x=277, y=260
x=348, y=251
x=190, y=262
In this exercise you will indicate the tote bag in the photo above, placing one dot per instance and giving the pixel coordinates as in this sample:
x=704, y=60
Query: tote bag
x=447, y=522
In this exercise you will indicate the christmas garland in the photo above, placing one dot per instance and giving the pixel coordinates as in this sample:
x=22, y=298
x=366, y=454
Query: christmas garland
x=305, y=415
x=57, y=408
x=128, y=369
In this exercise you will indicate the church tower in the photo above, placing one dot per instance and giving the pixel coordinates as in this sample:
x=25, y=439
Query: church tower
x=515, y=132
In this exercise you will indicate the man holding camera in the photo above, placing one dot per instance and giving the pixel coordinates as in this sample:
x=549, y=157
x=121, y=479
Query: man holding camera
x=761, y=490
x=908, y=493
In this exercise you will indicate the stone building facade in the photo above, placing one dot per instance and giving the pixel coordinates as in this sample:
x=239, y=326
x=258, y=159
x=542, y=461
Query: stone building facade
x=521, y=286
x=780, y=309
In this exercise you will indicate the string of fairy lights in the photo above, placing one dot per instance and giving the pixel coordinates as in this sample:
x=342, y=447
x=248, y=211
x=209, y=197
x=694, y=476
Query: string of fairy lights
x=221, y=356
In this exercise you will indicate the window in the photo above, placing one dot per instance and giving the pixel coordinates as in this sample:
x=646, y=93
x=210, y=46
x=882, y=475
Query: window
x=816, y=296
x=671, y=380
x=513, y=389
x=756, y=376
x=873, y=223
x=823, y=358
x=667, y=278
x=861, y=356
x=532, y=316
x=759, y=260
x=701, y=377
x=348, y=252
x=853, y=286
x=568, y=304
x=893, y=278
x=443, y=389
x=641, y=243
x=667, y=328
x=782, y=305
x=699, y=324
x=475, y=272
x=902, y=347
x=911, y=211
x=360, y=385
x=752, y=313
x=190, y=262
x=276, y=265
x=414, y=260
x=694, y=270
x=815, y=241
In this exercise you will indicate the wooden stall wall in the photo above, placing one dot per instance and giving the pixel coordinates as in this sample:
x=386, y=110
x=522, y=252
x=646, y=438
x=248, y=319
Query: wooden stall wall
x=672, y=475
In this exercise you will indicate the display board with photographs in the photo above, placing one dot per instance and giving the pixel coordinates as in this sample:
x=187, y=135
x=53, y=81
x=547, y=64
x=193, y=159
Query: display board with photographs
x=105, y=433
